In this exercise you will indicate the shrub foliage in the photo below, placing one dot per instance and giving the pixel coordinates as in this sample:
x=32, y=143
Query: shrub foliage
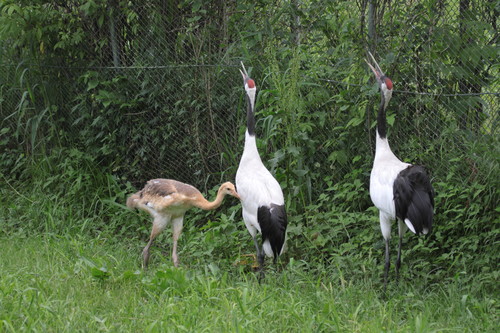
x=99, y=96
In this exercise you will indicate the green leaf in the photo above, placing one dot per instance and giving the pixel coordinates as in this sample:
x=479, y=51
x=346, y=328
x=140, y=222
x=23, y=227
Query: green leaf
x=9, y=9
x=355, y=122
x=390, y=119
x=92, y=84
x=100, y=21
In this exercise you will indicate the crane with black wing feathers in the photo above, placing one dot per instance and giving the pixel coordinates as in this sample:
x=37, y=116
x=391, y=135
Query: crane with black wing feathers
x=260, y=193
x=399, y=190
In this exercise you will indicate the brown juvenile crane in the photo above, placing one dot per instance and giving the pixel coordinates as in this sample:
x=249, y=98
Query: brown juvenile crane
x=167, y=201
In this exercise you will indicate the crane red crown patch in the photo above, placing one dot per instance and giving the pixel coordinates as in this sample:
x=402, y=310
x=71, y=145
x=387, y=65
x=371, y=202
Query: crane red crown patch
x=250, y=83
x=388, y=83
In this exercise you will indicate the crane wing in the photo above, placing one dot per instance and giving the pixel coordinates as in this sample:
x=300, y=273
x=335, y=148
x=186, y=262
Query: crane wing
x=414, y=199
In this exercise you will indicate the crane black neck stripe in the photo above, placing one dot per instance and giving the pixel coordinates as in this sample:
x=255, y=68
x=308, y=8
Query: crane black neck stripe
x=250, y=118
x=381, y=119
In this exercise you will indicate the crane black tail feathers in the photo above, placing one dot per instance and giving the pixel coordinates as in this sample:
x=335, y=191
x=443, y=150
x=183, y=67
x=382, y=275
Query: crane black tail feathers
x=414, y=199
x=273, y=222
x=420, y=213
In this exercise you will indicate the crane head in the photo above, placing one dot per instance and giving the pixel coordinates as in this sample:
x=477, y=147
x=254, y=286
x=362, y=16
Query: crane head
x=229, y=188
x=384, y=81
x=249, y=85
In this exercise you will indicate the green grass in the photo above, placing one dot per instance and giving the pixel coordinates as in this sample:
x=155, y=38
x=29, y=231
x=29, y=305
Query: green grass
x=69, y=284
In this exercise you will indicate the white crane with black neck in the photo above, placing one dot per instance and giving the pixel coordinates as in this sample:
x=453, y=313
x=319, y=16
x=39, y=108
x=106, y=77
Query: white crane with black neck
x=399, y=190
x=260, y=193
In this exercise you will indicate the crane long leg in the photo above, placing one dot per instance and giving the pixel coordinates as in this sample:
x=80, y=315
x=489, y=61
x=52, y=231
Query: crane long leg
x=260, y=258
x=402, y=229
x=385, y=227
x=387, y=263
x=177, y=224
x=159, y=224
x=398, y=260
x=257, y=248
x=145, y=253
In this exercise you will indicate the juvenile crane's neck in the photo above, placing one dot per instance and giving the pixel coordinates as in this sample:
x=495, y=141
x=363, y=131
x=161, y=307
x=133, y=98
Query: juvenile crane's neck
x=210, y=205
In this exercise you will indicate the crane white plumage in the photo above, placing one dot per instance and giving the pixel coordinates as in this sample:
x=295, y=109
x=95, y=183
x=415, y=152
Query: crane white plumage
x=399, y=190
x=167, y=200
x=260, y=193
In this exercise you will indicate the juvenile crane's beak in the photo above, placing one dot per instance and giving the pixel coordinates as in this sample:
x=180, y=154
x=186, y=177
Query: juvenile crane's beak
x=236, y=195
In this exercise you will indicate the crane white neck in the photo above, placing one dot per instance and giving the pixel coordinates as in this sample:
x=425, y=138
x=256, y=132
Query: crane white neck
x=382, y=147
x=251, y=96
x=250, y=148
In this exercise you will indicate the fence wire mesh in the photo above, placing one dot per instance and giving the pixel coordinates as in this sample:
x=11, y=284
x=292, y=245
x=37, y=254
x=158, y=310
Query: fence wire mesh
x=153, y=89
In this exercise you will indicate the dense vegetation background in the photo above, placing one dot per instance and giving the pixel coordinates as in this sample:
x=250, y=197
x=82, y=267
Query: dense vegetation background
x=99, y=96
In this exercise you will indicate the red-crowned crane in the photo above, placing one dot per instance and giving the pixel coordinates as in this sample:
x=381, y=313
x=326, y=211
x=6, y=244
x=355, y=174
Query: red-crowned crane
x=399, y=190
x=261, y=195
x=167, y=201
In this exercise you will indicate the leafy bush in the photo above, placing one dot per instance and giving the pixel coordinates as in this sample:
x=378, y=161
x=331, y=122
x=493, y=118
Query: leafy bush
x=95, y=100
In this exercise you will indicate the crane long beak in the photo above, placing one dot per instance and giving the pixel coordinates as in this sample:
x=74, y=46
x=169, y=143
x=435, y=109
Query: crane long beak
x=373, y=69
x=376, y=63
x=377, y=71
x=243, y=75
x=244, y=72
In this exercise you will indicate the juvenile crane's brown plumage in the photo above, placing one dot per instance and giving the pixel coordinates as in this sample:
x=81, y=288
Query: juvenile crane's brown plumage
x=167, y=201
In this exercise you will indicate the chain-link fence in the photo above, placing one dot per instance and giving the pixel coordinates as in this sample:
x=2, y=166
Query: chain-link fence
x=154, y=90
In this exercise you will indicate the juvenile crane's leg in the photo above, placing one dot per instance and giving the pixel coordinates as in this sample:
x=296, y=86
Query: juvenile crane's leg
x=159, y=224
x=401, y=230
x=177, y=224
